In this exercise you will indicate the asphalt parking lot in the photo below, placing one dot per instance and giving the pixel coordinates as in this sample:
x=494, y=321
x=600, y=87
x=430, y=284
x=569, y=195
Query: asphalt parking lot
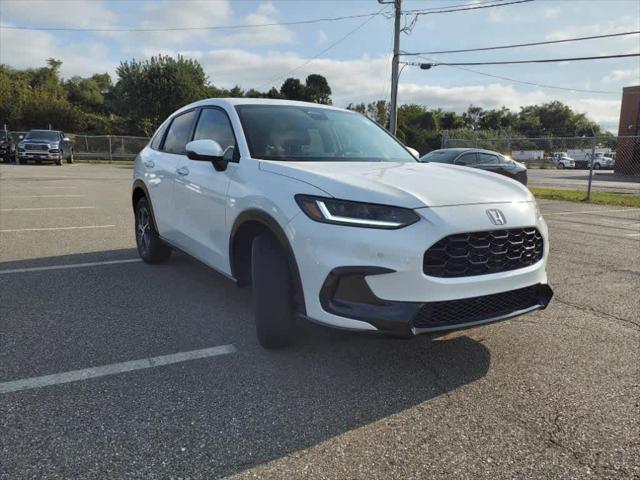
x=603, y=180
x=181, y=388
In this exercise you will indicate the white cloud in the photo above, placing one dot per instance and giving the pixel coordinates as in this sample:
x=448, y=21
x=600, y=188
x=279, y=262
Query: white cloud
x=84, y=58
x=60, y=13
x=622, y=24
x=605, y=112
x=551, y=12
x=322, y=37
x=632, y=75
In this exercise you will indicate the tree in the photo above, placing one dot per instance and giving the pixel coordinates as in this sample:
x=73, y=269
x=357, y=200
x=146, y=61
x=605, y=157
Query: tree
x=147, y=92
x=317, y=89
x=292, y=89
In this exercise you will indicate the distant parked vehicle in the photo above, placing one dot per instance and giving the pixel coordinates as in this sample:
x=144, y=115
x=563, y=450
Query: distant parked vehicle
x=7, y=147
x=523, y=155
x=562, y=160
x=582, y=157
x=483, y=159
x=49, y=145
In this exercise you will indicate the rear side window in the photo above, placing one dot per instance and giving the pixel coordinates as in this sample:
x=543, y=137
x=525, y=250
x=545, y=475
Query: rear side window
x=157, y=139
x=214, y=124
x=179, y=133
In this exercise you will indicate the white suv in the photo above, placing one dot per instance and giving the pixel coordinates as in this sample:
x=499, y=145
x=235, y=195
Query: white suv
x=331, y=219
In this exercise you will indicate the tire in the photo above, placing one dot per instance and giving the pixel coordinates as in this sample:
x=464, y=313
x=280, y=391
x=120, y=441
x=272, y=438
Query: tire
x=151, y=248
x=22, y=161
x=59, y=160
x=561, y=166
x=272, y=293
x=596, y=166
x=70, y=159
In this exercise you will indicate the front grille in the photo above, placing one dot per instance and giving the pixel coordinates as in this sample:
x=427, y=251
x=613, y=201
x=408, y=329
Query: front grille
x=36, y=146
x=475, y=309
x=479, y=253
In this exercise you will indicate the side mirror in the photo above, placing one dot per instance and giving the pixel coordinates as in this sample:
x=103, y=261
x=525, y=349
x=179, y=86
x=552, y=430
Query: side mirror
x=66, y=139
x=413, y=151
x=207, y=151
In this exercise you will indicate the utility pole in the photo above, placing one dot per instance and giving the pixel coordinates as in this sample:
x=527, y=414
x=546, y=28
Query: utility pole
x=393, y=110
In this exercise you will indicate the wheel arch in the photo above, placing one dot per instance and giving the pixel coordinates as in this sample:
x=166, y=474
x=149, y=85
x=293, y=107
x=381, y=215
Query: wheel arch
x=247, y=226
x=140, y=191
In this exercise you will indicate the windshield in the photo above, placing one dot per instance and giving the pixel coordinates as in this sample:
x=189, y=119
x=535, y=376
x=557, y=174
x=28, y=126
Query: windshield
x=300, y=133
x=42, y=135
x=441, y=156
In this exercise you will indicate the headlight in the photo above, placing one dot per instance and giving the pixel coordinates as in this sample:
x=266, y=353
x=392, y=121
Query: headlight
x=355, y=214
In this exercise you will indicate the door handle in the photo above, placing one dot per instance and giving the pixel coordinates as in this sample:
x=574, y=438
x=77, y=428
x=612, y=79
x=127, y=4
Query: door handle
x=149, y=163
x=182, y=171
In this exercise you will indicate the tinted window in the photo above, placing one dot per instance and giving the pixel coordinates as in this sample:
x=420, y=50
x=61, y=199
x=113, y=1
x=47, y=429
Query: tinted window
x=157, y=139
x=467, y=159
x=214, y=125
x=179, y=133
x=279, y=132
x=440, y=156
x=487, y=159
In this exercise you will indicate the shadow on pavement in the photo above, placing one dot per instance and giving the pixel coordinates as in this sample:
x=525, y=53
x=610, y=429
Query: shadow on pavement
x=201, y=419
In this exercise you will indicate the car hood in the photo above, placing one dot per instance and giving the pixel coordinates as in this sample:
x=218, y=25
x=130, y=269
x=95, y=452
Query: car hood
x=410, y=185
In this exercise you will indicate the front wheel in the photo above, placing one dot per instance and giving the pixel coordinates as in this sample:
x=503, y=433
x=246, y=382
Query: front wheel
x=272, y=293
x=59, y=160
x=70, y=159
x=151, y=248
x=561, y=166
x=596, y=166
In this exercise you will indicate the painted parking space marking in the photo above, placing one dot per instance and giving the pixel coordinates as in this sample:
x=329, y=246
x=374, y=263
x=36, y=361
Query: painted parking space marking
x=592, y=212
x=69, y=266
x=47, y=196
x=34, y=209
x=113, y=369
x=13, y=230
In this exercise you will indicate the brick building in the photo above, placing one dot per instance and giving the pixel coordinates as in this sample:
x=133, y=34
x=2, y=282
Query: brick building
x=628, y=150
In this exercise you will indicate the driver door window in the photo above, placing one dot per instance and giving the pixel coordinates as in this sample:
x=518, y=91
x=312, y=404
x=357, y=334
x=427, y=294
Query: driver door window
x=179, y=133
x=214, y=124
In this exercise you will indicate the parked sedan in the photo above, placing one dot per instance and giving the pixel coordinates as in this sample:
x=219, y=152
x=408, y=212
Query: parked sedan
x=478, y=158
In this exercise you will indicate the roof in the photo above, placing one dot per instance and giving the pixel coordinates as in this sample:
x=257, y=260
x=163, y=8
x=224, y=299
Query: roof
x=258, y=101
x=468, y=149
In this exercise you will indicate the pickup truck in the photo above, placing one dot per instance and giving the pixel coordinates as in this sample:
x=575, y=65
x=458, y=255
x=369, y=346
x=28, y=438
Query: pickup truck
x=49, y=145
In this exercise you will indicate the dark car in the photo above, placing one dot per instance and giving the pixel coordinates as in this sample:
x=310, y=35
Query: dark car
x=49, y=145
x=478, y=158
x=7, y=147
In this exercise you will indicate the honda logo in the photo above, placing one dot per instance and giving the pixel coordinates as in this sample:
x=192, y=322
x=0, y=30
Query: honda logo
x=496, y=216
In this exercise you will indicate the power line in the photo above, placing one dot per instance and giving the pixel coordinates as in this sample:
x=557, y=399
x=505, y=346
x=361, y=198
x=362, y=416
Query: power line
x=470, y=6
x=541, y=85
x=340, y=40
x=171, y=29
x=513, y=62
x=479, y=49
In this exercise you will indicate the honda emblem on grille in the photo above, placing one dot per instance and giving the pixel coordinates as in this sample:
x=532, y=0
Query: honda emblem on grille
x=496, y=216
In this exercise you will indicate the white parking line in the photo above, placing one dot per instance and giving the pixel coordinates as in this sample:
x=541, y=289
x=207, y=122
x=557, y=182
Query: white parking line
x=53, y=228
x=71, y=265
x=633, y=234
x=591, y=211
x=115, y=368
x=29, y=209
x=45, y=196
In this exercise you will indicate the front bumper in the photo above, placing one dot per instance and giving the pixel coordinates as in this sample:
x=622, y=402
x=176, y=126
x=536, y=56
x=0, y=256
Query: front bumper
x=39, y=156
x=394, y=287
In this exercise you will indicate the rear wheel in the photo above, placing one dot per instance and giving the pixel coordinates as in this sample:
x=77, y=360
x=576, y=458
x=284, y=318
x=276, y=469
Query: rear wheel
x=272, y=293
x=561, y=166
x=151, y=248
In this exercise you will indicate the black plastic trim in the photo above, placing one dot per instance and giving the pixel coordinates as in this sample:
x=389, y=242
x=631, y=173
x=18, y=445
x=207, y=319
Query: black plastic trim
x=274, y=227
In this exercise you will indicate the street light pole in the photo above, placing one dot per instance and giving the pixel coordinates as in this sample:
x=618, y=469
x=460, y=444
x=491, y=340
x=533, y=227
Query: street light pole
x=393, y=117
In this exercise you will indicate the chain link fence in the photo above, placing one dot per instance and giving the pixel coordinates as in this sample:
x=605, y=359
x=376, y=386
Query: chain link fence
x=597, y=163
x=101, y=147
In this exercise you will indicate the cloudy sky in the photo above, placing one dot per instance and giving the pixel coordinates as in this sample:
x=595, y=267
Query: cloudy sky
x=358, y=66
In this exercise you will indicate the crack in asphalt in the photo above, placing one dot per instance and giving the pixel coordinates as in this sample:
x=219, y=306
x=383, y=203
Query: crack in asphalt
x=628, y=323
